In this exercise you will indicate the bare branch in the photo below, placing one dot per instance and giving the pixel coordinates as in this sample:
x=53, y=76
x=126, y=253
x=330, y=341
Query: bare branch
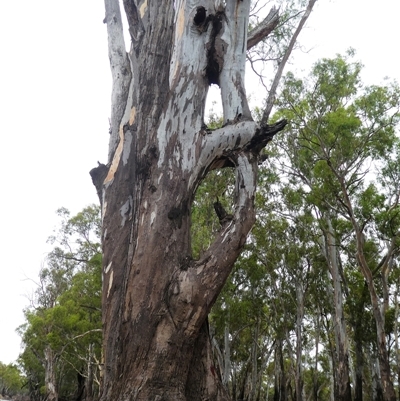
x=78, y=336
x=278, y=75
x=262, y=30
x=120, y=70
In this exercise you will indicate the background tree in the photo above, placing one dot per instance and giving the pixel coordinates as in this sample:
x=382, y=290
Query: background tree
x=11, y=381
x=300, y=219
x=340, y=129
x=264, y=303
x=61, y=336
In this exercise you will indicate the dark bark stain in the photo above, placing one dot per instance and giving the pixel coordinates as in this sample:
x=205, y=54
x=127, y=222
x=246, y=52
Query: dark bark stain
x=200, y=16
x=169, y=126
x=214, y=58
x=237, y=143
x=214, y=50
x=143, y=167
x=174, y=213
x=186, y=262
x=178, y=212
x=153, y=151
x=144, y=163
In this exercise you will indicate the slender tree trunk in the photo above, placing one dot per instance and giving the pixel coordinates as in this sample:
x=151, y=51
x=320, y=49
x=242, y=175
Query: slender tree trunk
x=90, y=374
x=342, y=376
x=227, y=356
x=315, y=372
x=50, y=379
x=280, y=393
x=357, y=318
x=252, y=396
x=376, y=383
x=332, y=359
x=299, y=380
x=396, y=334
x=359, y=367
x=80, y=393
x=332, y=381
x=378, y=310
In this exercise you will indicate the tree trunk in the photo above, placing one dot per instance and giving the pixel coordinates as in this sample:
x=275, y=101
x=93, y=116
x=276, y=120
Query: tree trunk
x=357, y=318
x=378, y=309
x=332, y=381
x=280, y=393
x=315, y=371
x=299, y=379
x=227, y=356
x=90, y=374
x=155, y=296
x=376, y=385
x=80, y=389
x=359, y=367
x=396, y=333
x=342, y=377
x=254, y=390
x=50, y=380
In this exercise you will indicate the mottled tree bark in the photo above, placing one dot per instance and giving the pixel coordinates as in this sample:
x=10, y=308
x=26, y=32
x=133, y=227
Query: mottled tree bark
x=342, y=387
x=156, y=298
x=50, y=380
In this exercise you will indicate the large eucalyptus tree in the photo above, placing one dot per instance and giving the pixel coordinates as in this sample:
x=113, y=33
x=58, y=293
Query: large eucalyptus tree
x=156, y=297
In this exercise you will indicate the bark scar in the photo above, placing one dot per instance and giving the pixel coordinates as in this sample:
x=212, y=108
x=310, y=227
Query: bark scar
x=215, y=47
x=215, y=59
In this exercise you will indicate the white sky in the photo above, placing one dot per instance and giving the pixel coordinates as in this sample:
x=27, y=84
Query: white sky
x=54, y=109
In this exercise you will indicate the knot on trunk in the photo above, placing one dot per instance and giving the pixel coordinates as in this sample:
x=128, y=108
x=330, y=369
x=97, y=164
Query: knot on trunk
x=223, y=216
x=98, y=175
x=177, y=213
x=200, y=16
x=264, y=135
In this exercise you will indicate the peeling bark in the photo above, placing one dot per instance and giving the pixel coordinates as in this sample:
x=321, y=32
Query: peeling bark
x=156, y=298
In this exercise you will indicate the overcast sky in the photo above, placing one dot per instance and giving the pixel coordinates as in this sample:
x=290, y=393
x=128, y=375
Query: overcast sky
x=54, y=109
